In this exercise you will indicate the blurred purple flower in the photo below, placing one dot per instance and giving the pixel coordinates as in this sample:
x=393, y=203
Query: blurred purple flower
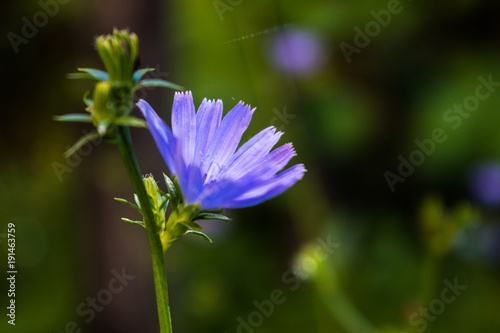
x=297, y=51
x=201, y=151
x=485, y=183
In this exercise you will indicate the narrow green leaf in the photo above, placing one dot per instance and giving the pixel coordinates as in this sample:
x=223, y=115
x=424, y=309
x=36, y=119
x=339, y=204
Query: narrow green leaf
x=209, y=216
x=130, y=204
x=79, y=117
x=191, y=225
x=130, y=121
x=138, y=74
x=199, y=234
x=81, y=142
x=136, y=198
x=75, y=76
x=157, y=83
x=97, y=74
x=90, y=74
x=134, y=222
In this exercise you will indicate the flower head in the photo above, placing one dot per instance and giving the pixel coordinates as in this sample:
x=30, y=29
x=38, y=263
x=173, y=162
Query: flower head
x=202, y=151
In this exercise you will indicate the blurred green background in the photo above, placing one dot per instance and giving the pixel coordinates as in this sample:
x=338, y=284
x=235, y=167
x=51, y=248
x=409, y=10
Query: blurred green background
x=354, y=85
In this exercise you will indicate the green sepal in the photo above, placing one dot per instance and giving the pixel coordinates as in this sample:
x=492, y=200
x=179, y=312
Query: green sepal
x=157, y=83
x=172, y=192
x=77, y=117
x=210, y=216
x=130, y=204
x=136, y=198
x=90, y=73
x=130, y=121
x=191, y=225
x=138, y=74
x=164, y=203
x=141, y=223
x=199, y=234
x=82, y=141
x=178, y=190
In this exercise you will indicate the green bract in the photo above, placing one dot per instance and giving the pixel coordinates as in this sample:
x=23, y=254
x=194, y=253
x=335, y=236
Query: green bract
x=112, y=98
x=180, y=221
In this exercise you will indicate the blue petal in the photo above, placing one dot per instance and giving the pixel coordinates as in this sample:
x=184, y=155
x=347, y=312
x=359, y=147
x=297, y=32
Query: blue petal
x=212, y=195
x=184, y=124
x=181, y=166
x=226, y=139
x=274, y=162
x=251, y=153
x=262, y=172
x=161, y=134
x=217, y=194
x=277, y=185
x=194, y=185
x=207, y=121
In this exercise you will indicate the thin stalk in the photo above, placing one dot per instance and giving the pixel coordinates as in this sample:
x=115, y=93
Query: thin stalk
x=157, y=254
x=430, y=276
x=339, y=305
x=346, y=313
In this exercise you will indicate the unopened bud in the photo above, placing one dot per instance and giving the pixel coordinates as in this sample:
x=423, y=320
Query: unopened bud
x=119, y=54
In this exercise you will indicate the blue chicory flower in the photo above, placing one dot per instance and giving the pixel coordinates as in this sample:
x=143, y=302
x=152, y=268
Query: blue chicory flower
x=297, y=51
x=201, y=150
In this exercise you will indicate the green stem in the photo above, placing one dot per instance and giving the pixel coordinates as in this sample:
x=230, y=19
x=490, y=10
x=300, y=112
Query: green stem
x=347, y=314
x=339, y=304
x=429, y=277
x=157, y=254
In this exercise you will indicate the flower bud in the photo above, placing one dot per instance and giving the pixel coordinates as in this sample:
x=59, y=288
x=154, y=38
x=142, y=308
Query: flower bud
x=153, y=191
x=158, y=201
x=119, y=54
